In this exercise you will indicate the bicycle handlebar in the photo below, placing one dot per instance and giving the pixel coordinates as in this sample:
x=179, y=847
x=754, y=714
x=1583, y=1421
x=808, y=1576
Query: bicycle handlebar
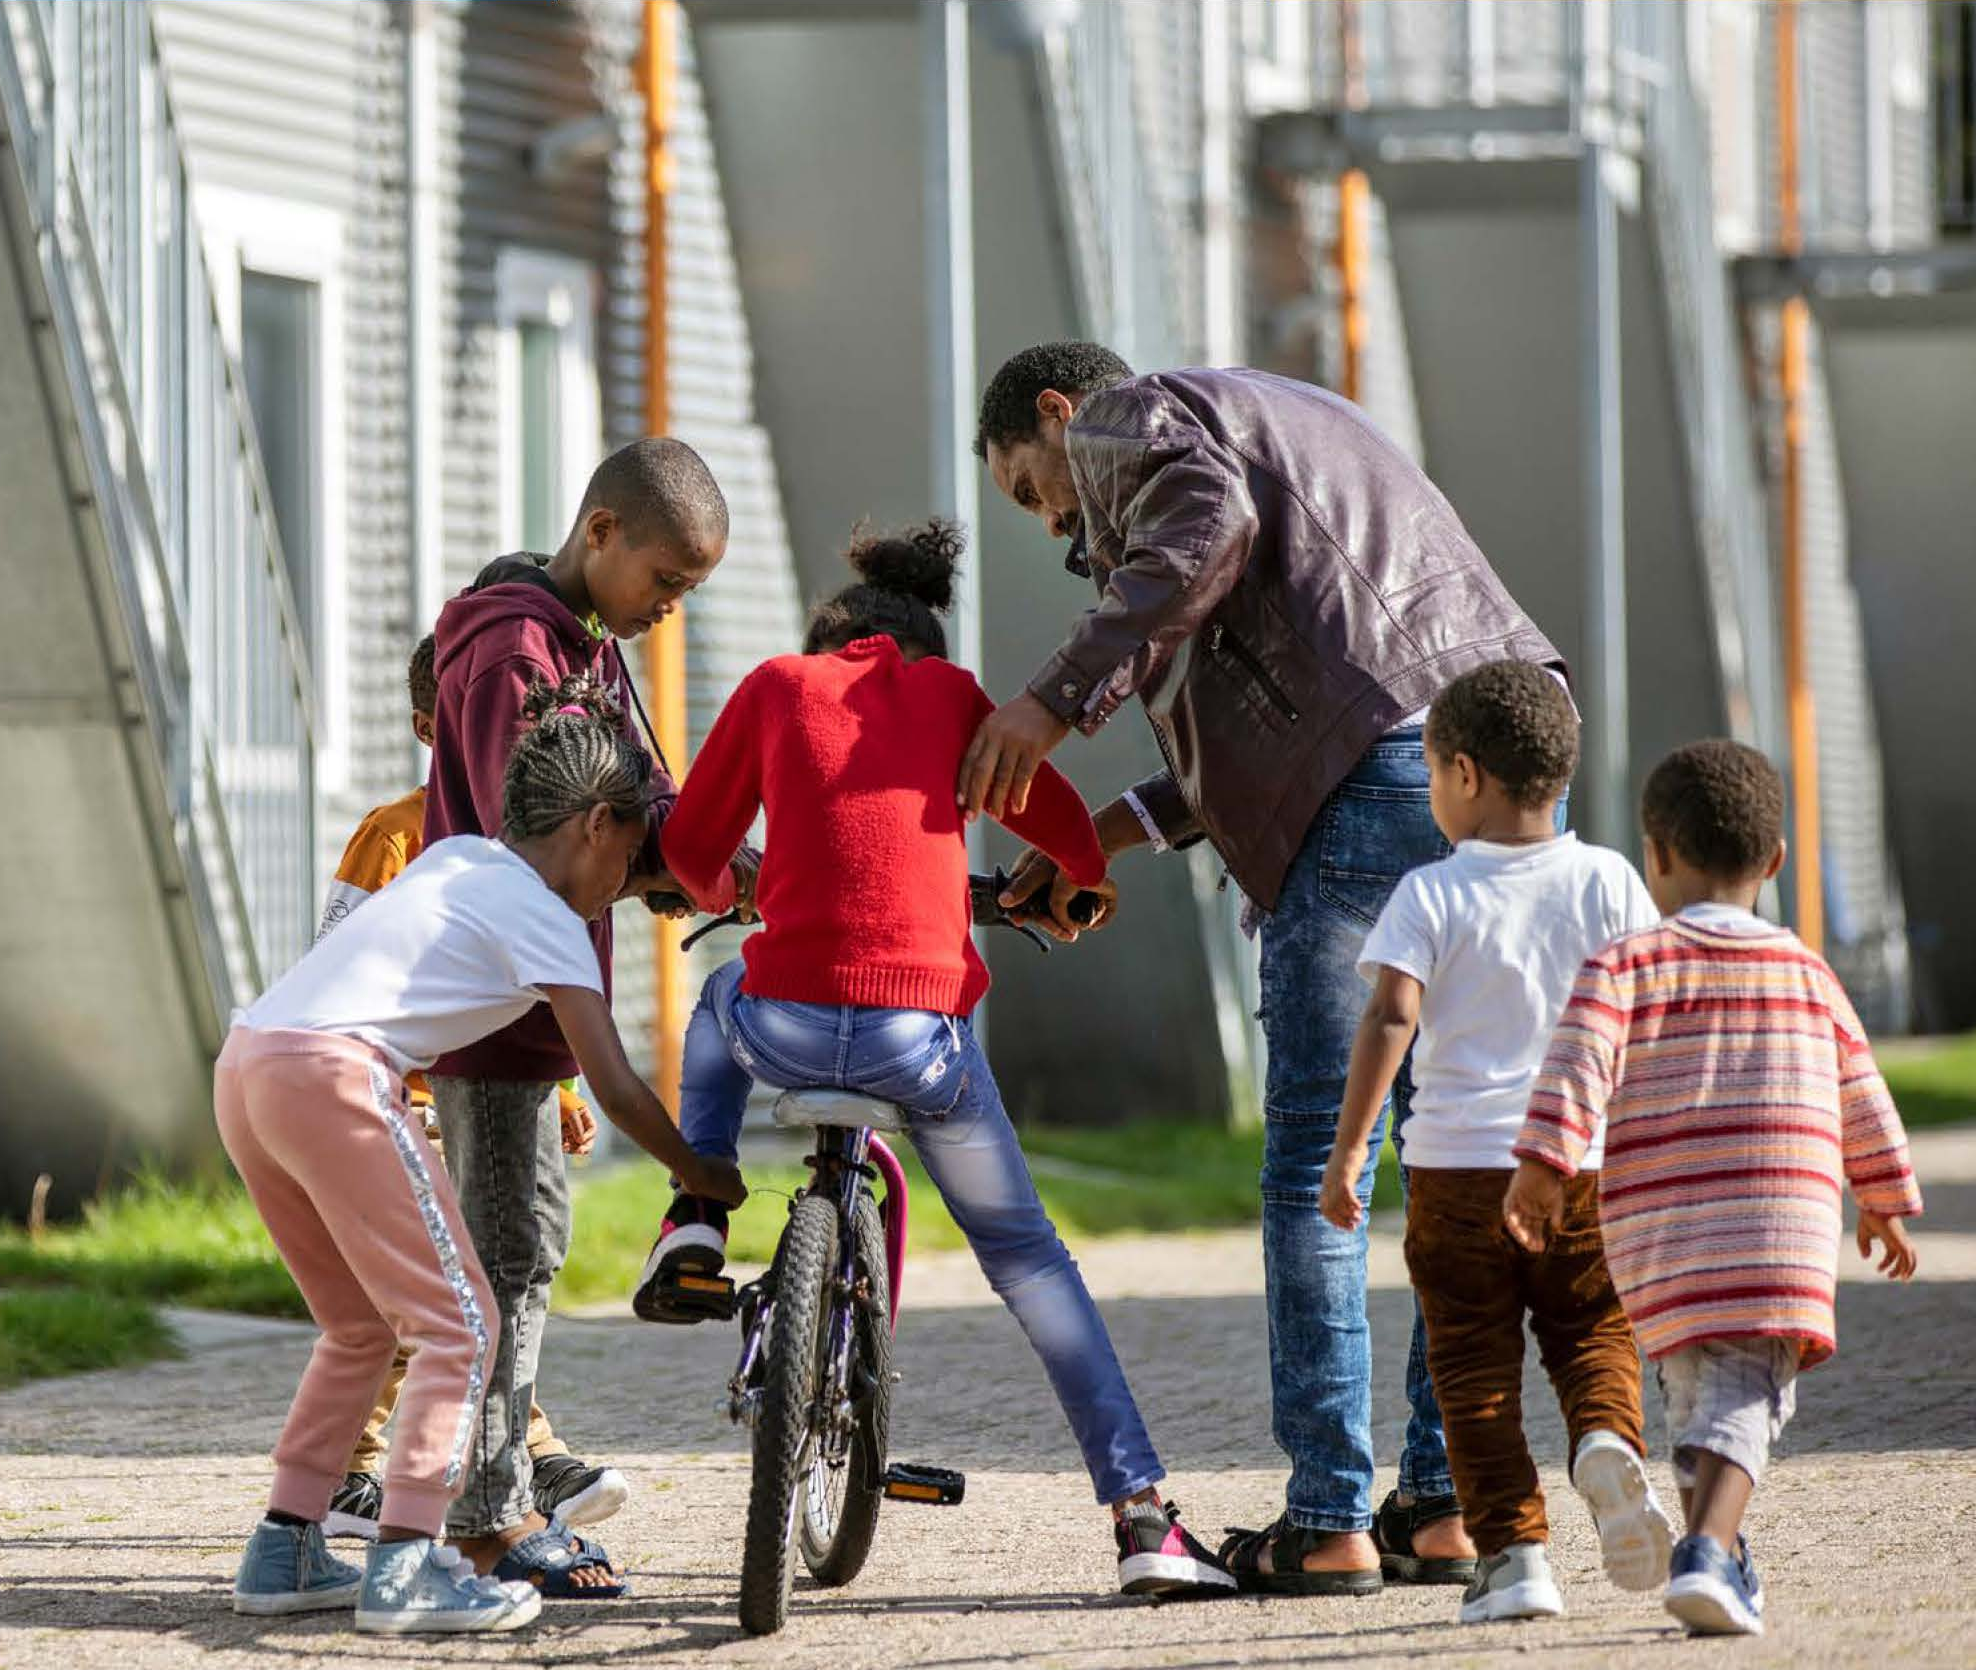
x=984, y=898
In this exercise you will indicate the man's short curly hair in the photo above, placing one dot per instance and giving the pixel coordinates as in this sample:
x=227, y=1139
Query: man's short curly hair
x=1513, y=719
x=1718, y=805
x=1008, y=404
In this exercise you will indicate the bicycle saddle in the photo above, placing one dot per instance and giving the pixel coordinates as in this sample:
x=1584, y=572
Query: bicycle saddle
x=801, y=1110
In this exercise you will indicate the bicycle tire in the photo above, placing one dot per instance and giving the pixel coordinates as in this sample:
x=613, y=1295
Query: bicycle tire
x=804, y=1265
x=835, y=1560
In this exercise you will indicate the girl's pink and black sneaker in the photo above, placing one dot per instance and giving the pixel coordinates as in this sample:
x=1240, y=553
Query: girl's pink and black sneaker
x=681, y=1281
x=1156, y=1556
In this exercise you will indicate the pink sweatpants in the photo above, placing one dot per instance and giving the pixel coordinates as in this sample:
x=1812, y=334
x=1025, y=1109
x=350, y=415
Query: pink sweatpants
x=368, y=1225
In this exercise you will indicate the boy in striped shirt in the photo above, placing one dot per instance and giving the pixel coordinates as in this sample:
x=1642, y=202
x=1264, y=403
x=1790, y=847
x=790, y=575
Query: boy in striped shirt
x=1740, y=1099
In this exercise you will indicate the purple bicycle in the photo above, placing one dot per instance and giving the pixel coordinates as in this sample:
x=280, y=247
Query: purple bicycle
x=813, y=1385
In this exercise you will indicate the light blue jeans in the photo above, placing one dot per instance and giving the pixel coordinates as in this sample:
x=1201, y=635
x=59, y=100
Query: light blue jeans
x=1374, y=828
x=933, y=1067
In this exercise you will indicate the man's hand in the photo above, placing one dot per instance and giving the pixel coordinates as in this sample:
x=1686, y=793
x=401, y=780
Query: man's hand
x=1339, y=1201
x=1899, y=1261
x=1034, y=872
x=1002, y=759
x=1533, y=1206
x=662, y=895
x=714, y=1179
x=747, y=870
x=579, y=1123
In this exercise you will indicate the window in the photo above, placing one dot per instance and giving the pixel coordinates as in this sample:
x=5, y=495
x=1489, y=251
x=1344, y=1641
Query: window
x=550, y=418
x=278, y=355
x=277, y=271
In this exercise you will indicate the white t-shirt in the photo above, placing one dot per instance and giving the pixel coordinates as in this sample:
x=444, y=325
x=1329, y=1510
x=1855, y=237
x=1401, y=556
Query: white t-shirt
x=459, y=945
x=1496, y=934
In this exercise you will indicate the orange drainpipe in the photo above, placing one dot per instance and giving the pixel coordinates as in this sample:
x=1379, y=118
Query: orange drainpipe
x=665, y=648
x=1354, y=194
x=1794, y=366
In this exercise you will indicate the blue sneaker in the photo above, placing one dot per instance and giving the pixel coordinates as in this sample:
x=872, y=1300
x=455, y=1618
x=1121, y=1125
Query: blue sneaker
x=289, y=1568
x=1712, y=1592
x=421, y=1586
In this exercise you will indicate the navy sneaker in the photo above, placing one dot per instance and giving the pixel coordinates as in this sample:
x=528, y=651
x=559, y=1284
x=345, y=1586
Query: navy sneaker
x=1712, y=1592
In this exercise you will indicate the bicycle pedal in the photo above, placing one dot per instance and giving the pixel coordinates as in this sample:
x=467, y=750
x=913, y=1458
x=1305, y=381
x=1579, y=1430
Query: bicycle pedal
x=935, y=1486
x=687, y=1297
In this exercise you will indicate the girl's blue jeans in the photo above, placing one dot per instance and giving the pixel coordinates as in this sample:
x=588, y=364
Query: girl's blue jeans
x=931, y=1066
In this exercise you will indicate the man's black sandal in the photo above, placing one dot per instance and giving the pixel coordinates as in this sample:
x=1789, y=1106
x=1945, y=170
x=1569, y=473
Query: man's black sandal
x=1393, y=1529
x=1287, y=1545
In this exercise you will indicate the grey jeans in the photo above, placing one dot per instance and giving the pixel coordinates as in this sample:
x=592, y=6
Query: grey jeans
x=504, y=1151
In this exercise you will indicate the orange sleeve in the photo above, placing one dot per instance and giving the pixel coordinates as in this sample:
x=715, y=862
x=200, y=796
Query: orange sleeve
x=376, y=854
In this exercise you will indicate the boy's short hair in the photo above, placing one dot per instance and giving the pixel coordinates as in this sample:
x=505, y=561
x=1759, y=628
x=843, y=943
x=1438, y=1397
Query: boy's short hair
x=1513, y=719
x=422, y=676
x=1718, y=805
x=660, y=488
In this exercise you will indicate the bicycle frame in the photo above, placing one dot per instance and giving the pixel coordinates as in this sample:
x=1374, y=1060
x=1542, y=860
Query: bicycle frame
x=846, y=1161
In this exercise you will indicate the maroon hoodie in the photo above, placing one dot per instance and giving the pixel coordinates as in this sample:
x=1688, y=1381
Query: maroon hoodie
x=505, y=631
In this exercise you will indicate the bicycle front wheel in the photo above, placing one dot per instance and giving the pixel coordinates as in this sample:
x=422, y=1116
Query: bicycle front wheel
x=784, y=1435
x=844, y=1481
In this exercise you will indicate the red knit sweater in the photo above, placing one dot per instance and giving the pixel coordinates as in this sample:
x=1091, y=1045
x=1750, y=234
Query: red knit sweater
x=863, y=890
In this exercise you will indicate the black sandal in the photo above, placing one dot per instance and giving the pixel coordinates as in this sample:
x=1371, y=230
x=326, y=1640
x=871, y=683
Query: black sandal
x=1393, y=1529
x=1287, y=1545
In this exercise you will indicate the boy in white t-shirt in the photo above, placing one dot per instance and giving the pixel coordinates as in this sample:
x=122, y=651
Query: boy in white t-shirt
x=1477, y=953
x=309, y=1095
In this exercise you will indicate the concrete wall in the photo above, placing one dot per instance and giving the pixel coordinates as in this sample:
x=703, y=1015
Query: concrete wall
x=1900, y=373
x=825, y=202
x=1487, y=260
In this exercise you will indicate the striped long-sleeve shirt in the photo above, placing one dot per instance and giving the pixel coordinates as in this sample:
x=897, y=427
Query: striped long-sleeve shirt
x=1741, y=1099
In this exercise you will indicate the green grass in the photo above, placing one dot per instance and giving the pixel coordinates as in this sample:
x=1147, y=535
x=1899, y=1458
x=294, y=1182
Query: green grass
x=1933, y=1085
x=198, y=1243
x=47, y=1331
x=202, y=1244
x=1140, y=1178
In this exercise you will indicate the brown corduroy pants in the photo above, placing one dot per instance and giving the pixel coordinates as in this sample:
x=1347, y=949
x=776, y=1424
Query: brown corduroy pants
x=1476, y=1286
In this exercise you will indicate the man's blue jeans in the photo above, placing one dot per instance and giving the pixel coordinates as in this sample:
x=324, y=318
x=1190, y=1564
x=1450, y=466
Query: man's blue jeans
x=933, y=1067
x=1373, y=829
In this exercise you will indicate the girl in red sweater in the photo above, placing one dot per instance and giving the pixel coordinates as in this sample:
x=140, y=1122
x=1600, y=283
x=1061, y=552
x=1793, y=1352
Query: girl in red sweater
x=864, y=973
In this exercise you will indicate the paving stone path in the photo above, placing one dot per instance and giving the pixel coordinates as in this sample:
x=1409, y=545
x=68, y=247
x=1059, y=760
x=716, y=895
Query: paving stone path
x=124, y=1495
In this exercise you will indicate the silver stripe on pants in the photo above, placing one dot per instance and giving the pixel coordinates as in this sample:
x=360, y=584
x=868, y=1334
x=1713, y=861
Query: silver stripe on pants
x=450, y=1263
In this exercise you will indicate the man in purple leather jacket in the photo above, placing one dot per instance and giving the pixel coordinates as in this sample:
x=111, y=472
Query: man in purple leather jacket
x=1285, y=592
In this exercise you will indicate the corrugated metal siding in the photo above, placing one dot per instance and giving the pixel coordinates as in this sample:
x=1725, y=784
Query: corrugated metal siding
x=751, y=609
x=1834, y=56
x=305, y=104
x=1864, y=919
x=1913, y=159
x=1165, y=45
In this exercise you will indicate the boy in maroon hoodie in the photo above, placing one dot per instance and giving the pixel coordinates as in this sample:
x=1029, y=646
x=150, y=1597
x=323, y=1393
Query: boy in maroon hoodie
x=653, y=526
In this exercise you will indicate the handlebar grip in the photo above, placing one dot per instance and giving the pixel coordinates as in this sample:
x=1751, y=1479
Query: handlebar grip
x=1084, y=907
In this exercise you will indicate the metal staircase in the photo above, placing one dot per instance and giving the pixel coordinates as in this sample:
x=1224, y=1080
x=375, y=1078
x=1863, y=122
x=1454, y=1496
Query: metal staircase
x=156, y=719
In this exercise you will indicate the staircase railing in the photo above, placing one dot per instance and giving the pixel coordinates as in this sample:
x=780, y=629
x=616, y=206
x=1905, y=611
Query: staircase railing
x=206, y=648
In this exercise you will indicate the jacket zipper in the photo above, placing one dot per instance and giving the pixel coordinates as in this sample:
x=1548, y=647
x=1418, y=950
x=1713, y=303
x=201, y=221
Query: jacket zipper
x=1220, y=639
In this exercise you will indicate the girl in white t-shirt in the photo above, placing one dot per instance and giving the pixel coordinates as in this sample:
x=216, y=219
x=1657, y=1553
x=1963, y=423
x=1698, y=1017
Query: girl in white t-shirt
x=310, y=1098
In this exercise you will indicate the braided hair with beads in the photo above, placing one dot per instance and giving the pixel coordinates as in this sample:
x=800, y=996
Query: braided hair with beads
x=574, y=755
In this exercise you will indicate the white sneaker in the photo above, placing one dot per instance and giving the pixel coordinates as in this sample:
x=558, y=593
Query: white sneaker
x=1634, y=1534
x=419, y=1586
x=1516, y=1583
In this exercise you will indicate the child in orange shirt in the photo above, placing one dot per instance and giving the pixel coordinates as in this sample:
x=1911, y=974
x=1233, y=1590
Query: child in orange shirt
x=387, y=840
